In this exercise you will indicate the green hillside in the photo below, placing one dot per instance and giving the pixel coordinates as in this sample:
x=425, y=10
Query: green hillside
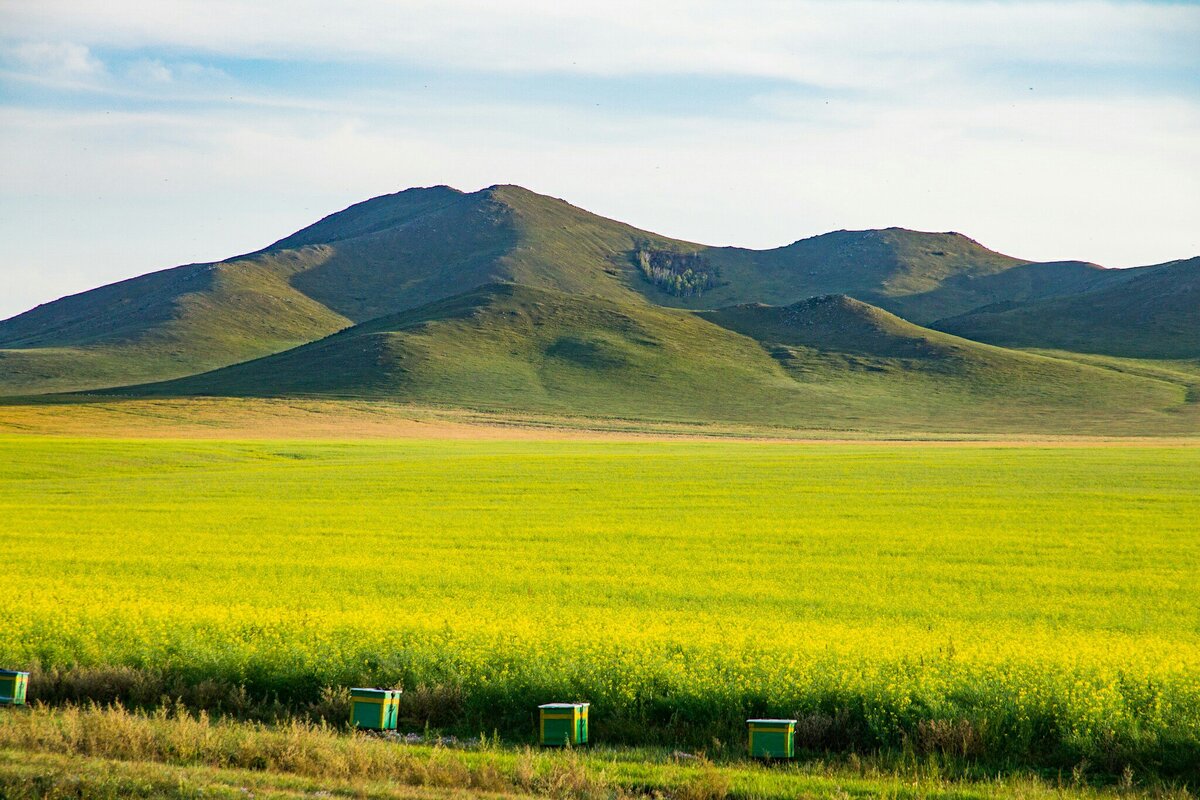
x=166, y=324
x=375, y=258
x=904, y=271
x=837, y=323
x=949, y=382
x=510, y=300
x=1151, y=313
x=515, y=347
x=920, y=276
x=395, y=252
x=830, y=363
x=404, y=250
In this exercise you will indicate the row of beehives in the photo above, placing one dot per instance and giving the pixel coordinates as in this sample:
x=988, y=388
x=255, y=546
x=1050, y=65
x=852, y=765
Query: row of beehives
x=565, y=724
x=559, y=724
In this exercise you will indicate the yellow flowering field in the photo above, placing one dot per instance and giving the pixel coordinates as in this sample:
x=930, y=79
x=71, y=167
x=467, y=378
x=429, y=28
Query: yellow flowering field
x=1034, y=605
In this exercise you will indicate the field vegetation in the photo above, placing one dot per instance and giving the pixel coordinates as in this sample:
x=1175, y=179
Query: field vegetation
x=114, y=753
x=1003, y=607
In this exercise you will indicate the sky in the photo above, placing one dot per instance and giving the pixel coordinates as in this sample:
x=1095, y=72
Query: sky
x=136, y=136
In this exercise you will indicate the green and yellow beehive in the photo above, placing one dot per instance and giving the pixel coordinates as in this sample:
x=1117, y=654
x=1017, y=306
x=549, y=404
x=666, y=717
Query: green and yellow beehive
x=375, y=709
x=561, y=724
x=772, y=738
x=13, y=686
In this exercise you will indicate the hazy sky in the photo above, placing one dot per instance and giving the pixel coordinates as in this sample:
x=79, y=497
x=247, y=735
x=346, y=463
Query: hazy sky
x=140, y=135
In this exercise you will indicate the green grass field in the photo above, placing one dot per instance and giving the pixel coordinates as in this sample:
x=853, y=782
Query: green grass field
x=1012, y=606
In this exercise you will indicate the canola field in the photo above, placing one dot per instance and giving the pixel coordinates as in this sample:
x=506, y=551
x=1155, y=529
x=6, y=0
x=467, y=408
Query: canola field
x=1012, y=605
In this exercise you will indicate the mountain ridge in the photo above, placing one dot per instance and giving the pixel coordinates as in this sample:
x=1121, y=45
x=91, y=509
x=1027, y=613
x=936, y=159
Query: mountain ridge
x=379, y=260
x=1146, y=312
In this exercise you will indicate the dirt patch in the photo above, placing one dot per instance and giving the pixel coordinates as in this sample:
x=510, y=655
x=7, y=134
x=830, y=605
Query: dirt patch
x=228, y=418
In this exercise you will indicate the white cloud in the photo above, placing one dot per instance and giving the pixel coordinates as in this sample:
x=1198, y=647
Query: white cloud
x=854, y=43
x=150, y=71
x=154, y=71
x=57, y=61
x=191, y=71
x=1059, y=181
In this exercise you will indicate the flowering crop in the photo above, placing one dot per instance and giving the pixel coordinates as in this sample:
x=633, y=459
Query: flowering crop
x=1026, y=604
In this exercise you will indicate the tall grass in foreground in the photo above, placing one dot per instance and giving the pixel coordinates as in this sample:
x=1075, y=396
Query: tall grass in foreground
x=1007, y=607
x=72, y=739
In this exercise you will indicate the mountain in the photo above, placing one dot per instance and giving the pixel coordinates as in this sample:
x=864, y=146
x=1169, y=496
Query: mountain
x=1149, y=312
x=401, y=251
x=826, y=362
x=505, y=298
x=918, y=275
x=377, y=257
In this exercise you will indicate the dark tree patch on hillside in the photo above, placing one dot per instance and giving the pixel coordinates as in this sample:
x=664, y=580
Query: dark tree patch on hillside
x=679, y=274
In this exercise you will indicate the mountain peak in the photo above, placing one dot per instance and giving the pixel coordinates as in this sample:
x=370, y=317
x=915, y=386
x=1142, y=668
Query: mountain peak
x=506, y=188
x=371, y=216
x=519, y=197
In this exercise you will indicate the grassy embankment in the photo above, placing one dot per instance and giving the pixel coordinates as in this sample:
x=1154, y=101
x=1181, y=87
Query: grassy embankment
x=112, y=753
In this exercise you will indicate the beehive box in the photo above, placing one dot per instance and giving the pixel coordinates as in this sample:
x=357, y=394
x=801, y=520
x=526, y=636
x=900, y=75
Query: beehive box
x=374, y=709
x=563, y=723
x=772, y=738
x=13, y=686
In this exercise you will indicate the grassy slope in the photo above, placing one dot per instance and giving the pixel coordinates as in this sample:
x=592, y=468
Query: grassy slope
x=838, y=323
x=504, y=233
x=1152, y=313
x=190, y=319
x=378, y=257
x=948, y=381
x=166, y=324
x=512, y=348
x=1184, y=372
x=401, y=251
